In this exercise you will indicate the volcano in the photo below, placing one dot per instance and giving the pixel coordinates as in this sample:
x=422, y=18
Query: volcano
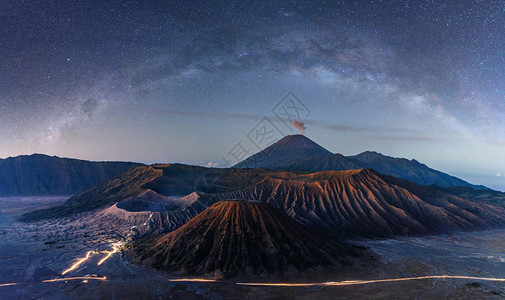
x=234, y=238
x=283, y=152
x=367, y=203
x=360, y=202
x=297, y=152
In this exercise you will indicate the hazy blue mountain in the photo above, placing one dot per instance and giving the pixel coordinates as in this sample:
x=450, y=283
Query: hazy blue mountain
x=298, y=152
x=39, y=174
x=410, y=170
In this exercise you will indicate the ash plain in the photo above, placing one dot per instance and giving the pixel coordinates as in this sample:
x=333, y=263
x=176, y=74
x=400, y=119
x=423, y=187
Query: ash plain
x=33, y=257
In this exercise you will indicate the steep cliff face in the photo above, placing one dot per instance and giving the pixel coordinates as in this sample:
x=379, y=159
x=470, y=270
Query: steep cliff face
x=366, y=203
x=39, y=174
x=231, y=238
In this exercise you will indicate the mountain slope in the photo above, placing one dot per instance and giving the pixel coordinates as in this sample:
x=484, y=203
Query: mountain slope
x=39, y=174
x=350, y=203
x=367, y=203
x=334, y=162
x=284, y=151
x=231, y=238
x=123, y=186
x=286, y=158
x=486, y=196
x=411, y=170
x=403, y=168
x=166, y=180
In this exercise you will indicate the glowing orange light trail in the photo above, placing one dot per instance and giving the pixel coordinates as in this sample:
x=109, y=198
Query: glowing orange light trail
x=8, y=284
x=360, y=282
x=115, y=249
x=75, y=278
x=329, y=283
x=192, y=280
x=79, y=262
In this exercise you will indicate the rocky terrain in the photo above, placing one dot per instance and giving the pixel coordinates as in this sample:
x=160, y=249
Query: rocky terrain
x=232, y=238
x=149, y=213
x=32, y=255
x=367, y=203
x=340, y=203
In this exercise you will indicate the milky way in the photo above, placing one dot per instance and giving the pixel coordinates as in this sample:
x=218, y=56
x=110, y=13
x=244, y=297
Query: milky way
x=186, y=80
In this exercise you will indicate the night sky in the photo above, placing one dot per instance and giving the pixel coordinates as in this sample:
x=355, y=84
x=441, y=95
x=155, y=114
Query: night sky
x=185, y=81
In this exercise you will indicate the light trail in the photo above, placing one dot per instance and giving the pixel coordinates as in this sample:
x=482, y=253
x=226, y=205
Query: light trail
x=279, y=284
x=78, y=263
x=83, y=278
x=117, y=246
x=361, y=282
x=115, y=249
x=192, y=280
x=8, y=284
x=75, y=278
x=266, y=284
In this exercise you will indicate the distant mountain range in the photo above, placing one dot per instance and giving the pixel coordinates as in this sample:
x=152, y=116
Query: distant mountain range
x=281, y=217
x=297, y=152
x=39, y=174
x=240, y=238
x=360, y=202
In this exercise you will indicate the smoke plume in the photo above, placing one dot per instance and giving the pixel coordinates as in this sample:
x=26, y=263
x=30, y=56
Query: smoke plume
x=300, y=125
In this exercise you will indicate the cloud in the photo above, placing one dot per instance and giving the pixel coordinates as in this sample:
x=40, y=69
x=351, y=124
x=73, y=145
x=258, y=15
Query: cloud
x=411, y=138
x=212, y=164
x=367, y=132
x=209, y=114
x=300, y=125
x=234, y=115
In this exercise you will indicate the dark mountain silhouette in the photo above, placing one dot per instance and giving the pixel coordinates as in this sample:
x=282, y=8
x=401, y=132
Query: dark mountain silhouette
x=367, y=203
x=294, y=159
x=39, y=174
x=232, y=238
x=288, y=149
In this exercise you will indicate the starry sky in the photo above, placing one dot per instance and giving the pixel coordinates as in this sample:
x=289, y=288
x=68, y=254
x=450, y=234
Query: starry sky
x=186, y=81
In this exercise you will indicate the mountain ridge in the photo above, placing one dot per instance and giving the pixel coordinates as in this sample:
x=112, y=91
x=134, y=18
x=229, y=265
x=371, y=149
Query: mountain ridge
x=411, y=170
x=355, y=203
x=365, y=203
x=40, y=174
